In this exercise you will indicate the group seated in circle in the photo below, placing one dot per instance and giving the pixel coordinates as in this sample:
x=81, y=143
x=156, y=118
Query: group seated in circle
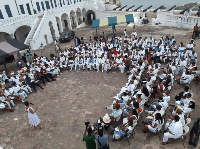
x=155, y=66
x=142, y=58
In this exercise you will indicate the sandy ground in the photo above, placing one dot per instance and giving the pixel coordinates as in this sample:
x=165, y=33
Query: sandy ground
x=78, y=96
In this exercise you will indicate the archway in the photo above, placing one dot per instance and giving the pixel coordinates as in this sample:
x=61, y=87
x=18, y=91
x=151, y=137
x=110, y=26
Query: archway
x=90, y=16
x=22, y=32
x=52, y=30
x=73, y=19
x=4, y=36
x=65, y=21
x=84, y=15
x=79, y=17
x=59, y=25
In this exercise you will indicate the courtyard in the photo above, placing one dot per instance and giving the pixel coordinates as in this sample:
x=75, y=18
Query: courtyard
x=78, y=96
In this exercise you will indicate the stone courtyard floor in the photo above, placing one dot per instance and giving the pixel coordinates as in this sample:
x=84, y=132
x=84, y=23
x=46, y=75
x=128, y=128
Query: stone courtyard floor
x=65, y=104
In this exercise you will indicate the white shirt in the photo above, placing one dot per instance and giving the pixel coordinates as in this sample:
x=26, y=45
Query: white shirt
x=176, y=129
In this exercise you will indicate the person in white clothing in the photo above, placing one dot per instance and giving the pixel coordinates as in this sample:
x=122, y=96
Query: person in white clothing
x=175, y=130
x=154, y=125
x=125, y=33
x=8, y=101
x=179, y=22
x=34, y=120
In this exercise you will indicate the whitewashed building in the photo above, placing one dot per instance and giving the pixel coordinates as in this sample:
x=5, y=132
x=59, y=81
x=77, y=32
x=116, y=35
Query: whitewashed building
x=39, y=22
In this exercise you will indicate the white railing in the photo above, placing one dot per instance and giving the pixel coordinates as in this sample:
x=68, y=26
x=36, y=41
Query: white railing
x=32, y=31
x=34, y=41
x=14, y=20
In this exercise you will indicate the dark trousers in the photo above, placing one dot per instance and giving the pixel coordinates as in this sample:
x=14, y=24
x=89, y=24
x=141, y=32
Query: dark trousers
x=42, y=79
x=48, y=75
x=33, y=85
x=127, y=67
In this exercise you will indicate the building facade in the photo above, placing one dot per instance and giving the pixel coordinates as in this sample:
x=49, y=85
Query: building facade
x=39, y=22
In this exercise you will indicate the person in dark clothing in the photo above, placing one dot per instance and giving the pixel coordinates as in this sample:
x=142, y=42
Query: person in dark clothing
x=47, y=75
x=127, y=63
x=24, y=58
x=39, y=76
x=32, y=83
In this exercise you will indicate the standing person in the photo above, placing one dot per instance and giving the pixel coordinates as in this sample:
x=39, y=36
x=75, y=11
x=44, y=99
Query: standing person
x=125, y=33
x=75, y=41
x=57, y=48
x=34, y=120
x=102, y=139
x=24, y=58
x=127, y=63
x=89, y=139
x=179, y=22
x=29, y=55
x=195, y=31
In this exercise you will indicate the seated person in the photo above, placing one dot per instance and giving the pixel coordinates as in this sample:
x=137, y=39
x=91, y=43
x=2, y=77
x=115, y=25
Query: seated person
x=122, y=130
x=178, y=112
x=175, y=130
x=185, y=78
x=5, y=106
x=133, y=115
x=187, y=99
x=153, y=126
x=182, y=94
x=160, y=102
x=6, y=101
x=189, y=108
x=116, y=112
x=152, y=114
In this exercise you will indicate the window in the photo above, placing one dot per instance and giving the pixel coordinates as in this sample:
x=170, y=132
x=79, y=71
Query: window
x=51, y=3
x=63, y=2
x=38, y=6
x=9, y=13
x=22, y=9
x=47, y=4
x=60, y=3
x=74, y=1
x=28, y=8
x=55, y=3
x=1, y=15
x=42, y=6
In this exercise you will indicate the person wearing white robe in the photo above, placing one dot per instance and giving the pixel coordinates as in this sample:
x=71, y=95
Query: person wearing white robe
x=175, y=130
x=179, y=22
x=81, y=63
x=9, y=103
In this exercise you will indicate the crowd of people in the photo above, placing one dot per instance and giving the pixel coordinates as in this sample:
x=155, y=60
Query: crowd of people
x=149, y=83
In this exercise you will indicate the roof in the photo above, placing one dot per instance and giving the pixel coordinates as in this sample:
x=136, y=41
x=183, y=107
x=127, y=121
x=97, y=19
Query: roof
x=15, y=43
x=10, y=47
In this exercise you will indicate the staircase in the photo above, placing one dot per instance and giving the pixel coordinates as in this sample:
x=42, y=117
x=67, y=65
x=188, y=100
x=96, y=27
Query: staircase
x=33, y=30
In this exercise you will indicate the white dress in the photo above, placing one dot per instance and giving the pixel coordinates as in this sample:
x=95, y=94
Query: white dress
x=34, y=120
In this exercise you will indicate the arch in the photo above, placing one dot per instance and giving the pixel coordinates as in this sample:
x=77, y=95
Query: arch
x=78, y=15
x=90, y=15
x=4, y=36
x=84, y=15
x=73, y=19
x=65, y=21
x=22, y=32
x=59, y=25
x=52, y=30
